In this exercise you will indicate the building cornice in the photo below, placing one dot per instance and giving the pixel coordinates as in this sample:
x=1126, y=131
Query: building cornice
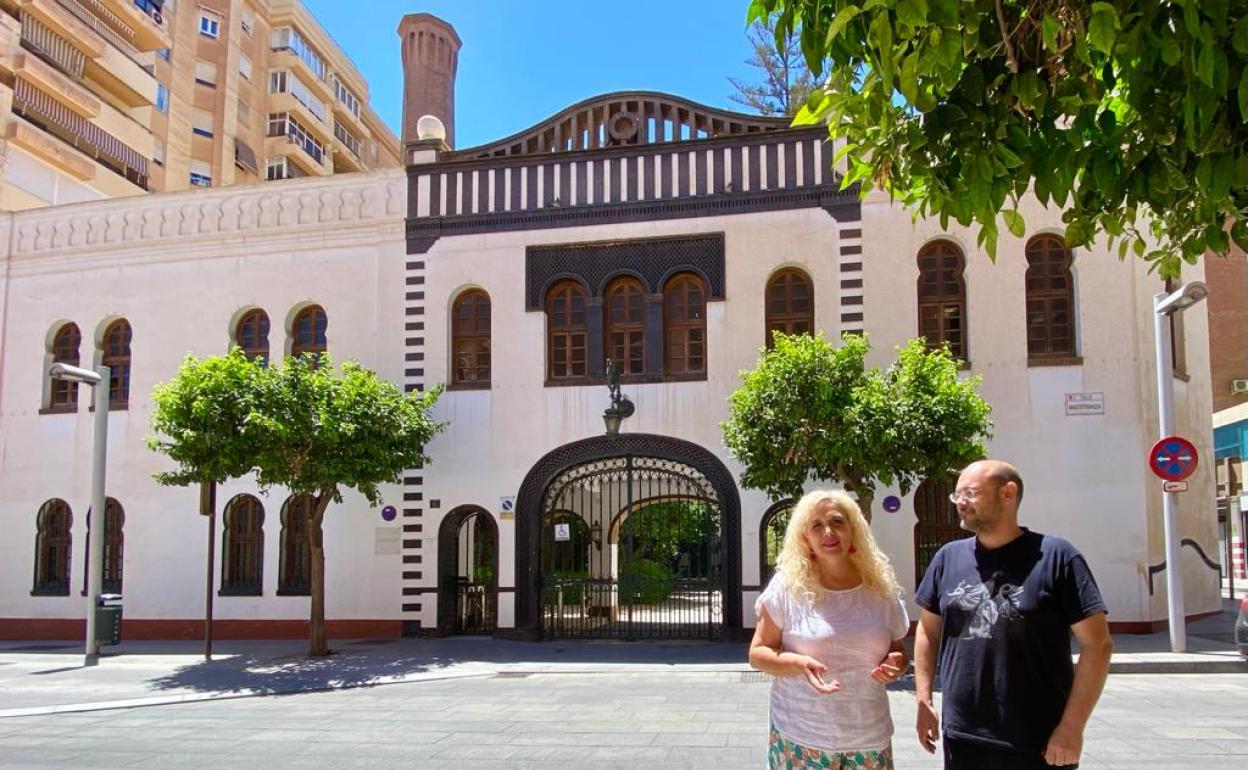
x=324, y=207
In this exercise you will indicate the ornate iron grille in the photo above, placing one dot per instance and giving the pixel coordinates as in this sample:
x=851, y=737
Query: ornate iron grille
x=631, y=548
x=476, y=585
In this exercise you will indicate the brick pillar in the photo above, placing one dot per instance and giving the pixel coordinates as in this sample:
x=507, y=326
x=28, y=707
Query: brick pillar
x=430, y=50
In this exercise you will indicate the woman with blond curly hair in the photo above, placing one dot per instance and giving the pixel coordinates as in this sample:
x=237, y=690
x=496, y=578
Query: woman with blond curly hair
x=830, y=625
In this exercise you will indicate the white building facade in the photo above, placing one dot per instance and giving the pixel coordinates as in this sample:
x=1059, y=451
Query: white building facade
x=661, y=234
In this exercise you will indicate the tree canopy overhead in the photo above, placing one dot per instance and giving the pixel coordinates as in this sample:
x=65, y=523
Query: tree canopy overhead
x=1131, y=115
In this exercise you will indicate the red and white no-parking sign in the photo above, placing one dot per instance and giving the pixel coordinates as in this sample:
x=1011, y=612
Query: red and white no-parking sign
x=1173, y=458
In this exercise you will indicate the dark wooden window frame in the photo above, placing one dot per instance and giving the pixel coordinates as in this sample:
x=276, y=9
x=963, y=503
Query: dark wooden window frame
x=115, y=354
x=935, y=517
x=787, y=319
x=65, y=349
x=631, y=369
x=941, y=288
x=114, y=548
x=673, y=326
x=242, y=550
x=1042, y=253
x=294, y=575
x=308, y=332
x=471, y=336
x=251, y=333
x=53, y=548
x=568, y=333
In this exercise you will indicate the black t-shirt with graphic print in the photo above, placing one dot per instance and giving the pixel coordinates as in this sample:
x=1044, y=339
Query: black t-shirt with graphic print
x=1006, y=614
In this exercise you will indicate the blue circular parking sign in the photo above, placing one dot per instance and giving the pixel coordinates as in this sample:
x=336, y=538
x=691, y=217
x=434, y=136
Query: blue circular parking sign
x=892, y=503
x=388, y=513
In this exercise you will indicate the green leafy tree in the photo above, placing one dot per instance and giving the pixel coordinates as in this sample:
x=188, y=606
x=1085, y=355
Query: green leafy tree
x=202, y=419
x=307, y=426
x=814, y=412
x=786, y=80
x=1131, y=115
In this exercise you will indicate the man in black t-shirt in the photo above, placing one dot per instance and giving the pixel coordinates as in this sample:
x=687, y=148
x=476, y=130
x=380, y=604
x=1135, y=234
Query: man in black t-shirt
x=1002, y=605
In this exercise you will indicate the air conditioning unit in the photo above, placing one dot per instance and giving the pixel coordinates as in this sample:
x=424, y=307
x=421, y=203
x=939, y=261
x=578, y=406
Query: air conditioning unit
x=1239, y=386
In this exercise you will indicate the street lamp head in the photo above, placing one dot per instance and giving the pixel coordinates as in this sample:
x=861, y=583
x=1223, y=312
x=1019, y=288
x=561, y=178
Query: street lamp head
x=1181, y=299
x=60, y=371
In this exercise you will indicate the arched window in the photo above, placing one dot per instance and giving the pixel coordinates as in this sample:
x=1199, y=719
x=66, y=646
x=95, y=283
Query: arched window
x=684, y=327
x=52, y=548
x=252, y=334
x=942, y=297
x=937, y=521
x=1050, y=299
x=294, y=575
x=115, y=354
x=308, y=332
x=242, y=549
x=470, y=339
x=790, y=304
x=771, y=538
x=63, y=394
x=566, y=331
x=626, y=325
x=114, y=545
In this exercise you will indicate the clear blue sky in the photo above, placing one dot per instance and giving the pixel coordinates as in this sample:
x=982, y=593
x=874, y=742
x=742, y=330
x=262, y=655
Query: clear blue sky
x=523, y=60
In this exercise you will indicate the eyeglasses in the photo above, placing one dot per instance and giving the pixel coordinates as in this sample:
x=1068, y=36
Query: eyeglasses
x=970, y=493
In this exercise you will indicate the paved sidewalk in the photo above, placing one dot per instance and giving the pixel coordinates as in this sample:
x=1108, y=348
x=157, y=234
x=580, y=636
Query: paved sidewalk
x=48, y=677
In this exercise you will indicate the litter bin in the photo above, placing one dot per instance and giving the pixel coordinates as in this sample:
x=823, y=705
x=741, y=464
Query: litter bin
x=108, y=619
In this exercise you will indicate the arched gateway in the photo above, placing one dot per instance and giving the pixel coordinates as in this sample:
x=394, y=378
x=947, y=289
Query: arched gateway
x=629, y=536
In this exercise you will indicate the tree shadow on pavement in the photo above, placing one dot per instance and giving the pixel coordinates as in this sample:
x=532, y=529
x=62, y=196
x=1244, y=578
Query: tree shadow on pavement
x=255, y=674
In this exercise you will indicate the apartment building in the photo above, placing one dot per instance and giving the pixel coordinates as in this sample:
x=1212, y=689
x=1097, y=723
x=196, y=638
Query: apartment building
x=108, y=98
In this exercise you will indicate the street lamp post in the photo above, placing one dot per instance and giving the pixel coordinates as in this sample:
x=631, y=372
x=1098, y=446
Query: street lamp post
x=99, y=380
x=1164, y=306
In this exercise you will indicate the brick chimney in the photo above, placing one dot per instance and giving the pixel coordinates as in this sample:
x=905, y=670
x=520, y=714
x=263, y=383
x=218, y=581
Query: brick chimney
x=430, y=58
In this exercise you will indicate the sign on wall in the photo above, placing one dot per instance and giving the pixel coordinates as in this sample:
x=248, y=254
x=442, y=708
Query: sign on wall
x=563, y=532
x=386, y=541
x=1085, y=403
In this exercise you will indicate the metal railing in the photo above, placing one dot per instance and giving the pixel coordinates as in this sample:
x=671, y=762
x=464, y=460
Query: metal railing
x=347, y=138
x=48, y=45
x=57, y=119
x=89, y=12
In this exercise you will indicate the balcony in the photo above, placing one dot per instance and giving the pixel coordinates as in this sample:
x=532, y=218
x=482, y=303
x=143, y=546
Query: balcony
x=144, y=27
x=347, y=151
x=75, y=130
x=81, y=11
x=287, y=59
x=289, y=103
x=38, y=72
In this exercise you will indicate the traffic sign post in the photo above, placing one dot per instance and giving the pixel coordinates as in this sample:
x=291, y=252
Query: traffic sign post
x=1173, y=458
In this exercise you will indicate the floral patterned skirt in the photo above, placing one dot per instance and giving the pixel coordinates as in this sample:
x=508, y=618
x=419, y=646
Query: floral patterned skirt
x=784, y=754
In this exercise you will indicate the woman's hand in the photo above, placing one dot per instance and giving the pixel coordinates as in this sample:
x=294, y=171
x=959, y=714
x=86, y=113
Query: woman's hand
x=813, y=670
x=891, y=668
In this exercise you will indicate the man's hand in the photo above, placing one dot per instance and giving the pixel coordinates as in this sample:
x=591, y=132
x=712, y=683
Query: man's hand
x=928, y=726
x=1065, y=745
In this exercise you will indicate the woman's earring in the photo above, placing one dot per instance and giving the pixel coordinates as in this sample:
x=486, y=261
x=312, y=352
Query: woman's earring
x=853, y=549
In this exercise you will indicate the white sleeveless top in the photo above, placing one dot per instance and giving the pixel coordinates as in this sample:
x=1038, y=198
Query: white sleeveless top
x=850, y=632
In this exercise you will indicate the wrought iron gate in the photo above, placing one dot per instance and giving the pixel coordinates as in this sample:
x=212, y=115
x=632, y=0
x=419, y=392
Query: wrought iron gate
x=630, y=548
x=476, y=582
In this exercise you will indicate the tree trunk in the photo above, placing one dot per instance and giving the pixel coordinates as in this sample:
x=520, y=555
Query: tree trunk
x=318, y=645
x=865, y=495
